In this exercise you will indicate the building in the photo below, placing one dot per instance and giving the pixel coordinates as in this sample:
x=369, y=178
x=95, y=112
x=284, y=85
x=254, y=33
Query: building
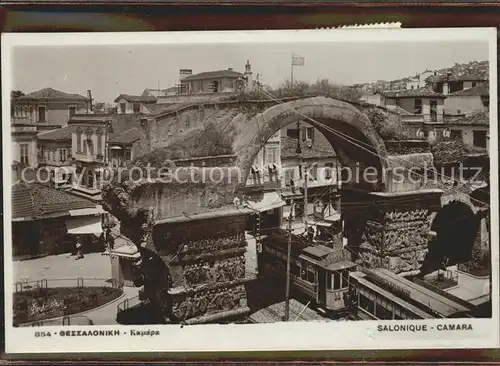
x=54, y=152
x=46, y=221
x=49, y=108
x=121, y=146
x=43, y=110
x=419, y=81
x=307, y=154
x=157, y=93
x=133, y=104
x=449, y=83
x=89, y=134
x=467, y=101
x=473, y=130
x=24, y=145
x=422, y=105
x=219, y=81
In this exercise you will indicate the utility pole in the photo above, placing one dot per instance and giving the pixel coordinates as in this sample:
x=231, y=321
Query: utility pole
x=305, y=195
x=288, y=260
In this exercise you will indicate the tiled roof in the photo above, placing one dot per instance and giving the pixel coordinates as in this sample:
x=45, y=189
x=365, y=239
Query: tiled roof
x=213, y=74
x=33, y=200
x=52, y=94
x=412, y=93
x=89, y=118
x=123, y=122
x=320, y=148
x=479, y=90
x=136, y=98
x=126, y=137
x=61, y=134
x=156, y=109
x=477, y=119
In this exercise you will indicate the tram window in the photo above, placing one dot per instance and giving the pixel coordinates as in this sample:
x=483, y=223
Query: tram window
x=382, y=313
x=336, y=280
x=311, y=275
x=329, y=281
x=303, y=274
x=295, y=269
x=366, y=304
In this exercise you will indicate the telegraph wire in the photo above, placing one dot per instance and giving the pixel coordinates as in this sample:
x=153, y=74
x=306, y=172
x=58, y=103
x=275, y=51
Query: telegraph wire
x=349, y=138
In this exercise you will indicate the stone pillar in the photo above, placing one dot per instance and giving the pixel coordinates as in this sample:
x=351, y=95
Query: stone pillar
x=481, y=254
x=389, y=230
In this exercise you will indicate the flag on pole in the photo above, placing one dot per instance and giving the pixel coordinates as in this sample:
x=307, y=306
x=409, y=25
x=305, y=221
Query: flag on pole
x=298, y=60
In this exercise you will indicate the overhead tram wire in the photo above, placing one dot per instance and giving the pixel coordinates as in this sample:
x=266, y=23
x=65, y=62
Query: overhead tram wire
x=349, y=138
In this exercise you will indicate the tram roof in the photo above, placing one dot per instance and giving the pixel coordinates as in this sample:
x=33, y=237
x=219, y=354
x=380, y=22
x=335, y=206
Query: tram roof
x=420, y=294
x=361, y=278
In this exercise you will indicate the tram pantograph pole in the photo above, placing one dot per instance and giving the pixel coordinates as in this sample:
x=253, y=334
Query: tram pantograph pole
x=288, y=260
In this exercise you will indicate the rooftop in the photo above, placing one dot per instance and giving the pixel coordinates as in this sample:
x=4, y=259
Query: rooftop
x=412, y=93
x=136, y=98
x=126, y=137
x=52, y=94
x=61, y=134
x=478, y=119
x=35, y=200
x=213, y=74
x=479, y=90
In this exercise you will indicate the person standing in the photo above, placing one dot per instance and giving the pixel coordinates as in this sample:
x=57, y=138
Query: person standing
x=79, y=249
x=110, y=241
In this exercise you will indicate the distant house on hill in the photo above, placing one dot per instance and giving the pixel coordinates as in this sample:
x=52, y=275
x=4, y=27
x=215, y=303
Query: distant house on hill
x=133, y=104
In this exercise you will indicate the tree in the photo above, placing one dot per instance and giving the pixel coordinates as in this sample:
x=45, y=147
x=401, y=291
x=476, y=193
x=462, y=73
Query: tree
x=16, y=94
x=99, y=106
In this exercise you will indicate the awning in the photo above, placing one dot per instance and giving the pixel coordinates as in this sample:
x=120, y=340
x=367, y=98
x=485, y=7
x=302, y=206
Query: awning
x=98, y=210
x=115, y=148
x=269, y=201
x=84, y=225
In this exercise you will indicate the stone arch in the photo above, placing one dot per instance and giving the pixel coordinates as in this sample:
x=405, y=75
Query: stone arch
x=455, y=226
x=322, y=111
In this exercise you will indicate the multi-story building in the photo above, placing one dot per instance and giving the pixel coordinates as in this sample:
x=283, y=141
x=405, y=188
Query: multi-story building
x=43, y=110
x=419, y=81
x=449, y=83
x=472, y=129
x=48, y=108
x=468, y=101
x=133, y=104
x=54, y=152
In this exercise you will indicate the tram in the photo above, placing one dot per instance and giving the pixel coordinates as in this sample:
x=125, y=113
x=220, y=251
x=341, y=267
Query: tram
x=317, y=272
x=381, y=294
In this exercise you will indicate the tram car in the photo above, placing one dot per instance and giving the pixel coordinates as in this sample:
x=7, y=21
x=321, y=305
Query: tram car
x=381, y=294
x=317, y=272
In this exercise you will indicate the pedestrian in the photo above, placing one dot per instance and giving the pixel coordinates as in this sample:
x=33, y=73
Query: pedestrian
x=79, y=249
x=110, y=241
x=103, y=244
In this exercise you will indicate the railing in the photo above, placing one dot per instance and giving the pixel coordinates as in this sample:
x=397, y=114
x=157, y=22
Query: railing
x=65, y=321
x=128, y=303
x=53, y=305
x=26, y=285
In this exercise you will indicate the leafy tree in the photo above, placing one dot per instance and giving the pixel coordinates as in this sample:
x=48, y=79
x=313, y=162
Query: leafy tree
x=16, y=94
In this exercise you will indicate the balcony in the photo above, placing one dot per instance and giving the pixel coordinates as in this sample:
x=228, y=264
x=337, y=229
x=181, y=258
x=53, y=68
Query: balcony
x=89, y=158
x=25, y=120
x=413, y=118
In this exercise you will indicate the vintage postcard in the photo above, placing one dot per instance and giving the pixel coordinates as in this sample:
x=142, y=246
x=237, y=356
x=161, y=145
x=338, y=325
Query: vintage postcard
x=260, y=190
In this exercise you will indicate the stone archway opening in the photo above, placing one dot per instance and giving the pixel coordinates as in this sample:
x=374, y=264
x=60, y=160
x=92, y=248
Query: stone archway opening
x=455, y=227
x=349, y=131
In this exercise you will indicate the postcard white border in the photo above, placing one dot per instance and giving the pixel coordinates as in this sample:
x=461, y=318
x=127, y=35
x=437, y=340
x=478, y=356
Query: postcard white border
x=251, y=337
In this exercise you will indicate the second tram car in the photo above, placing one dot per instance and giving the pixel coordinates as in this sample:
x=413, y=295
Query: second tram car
x=317, y=272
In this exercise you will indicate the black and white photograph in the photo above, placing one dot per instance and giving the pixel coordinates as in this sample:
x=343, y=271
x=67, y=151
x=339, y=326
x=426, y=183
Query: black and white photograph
x=257, y=190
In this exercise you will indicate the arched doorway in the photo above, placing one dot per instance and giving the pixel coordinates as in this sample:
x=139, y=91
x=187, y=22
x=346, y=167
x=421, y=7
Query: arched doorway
x=456, y=228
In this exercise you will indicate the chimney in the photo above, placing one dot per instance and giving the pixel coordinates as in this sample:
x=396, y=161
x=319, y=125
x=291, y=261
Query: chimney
x=183, y=73
x=89, y=96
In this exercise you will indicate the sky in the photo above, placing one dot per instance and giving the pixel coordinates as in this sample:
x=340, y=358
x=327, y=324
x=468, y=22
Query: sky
x=112, y=70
